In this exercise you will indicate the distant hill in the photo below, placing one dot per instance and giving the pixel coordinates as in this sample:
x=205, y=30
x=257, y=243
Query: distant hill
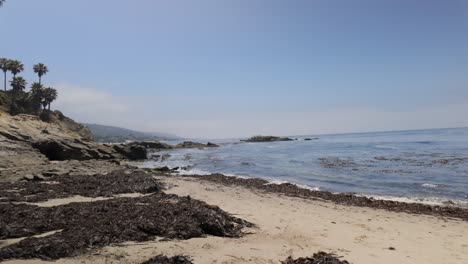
x=112, y=134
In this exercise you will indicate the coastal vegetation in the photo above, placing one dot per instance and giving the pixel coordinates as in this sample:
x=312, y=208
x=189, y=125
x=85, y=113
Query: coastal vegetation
x=16, y=100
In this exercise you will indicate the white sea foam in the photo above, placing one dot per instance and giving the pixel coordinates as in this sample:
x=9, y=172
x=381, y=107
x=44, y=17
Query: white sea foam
x=428, y=200
x=429, y=185
x=385, y=147
x=193, y=172
x=270, y=181
x=302, y=186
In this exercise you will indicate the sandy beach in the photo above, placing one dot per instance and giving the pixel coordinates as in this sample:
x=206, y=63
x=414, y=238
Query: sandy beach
x=298, y=227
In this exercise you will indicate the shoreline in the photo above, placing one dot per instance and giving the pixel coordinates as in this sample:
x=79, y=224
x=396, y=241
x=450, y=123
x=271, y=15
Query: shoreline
x=286, y=220
x=431, y=201
x=346, y=199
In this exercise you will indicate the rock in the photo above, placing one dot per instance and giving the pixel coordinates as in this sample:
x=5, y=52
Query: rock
x=191, y=144
x=131, y=151
x=162, y=169
x=308, y=139
x=75, y=150
x=266, y=139
x=30, y=177
x=68, y=124
x=152, y=144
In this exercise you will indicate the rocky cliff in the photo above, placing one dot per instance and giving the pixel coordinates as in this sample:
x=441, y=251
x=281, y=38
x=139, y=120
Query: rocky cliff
x=27, y=141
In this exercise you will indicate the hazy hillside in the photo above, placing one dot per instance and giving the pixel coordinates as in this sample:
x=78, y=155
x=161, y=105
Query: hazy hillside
x=104, y=133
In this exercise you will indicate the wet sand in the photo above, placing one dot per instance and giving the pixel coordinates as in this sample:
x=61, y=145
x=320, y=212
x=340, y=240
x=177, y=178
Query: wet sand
x=298, y=227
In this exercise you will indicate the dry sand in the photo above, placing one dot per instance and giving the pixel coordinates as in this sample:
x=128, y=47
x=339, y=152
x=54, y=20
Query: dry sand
x=299, y=227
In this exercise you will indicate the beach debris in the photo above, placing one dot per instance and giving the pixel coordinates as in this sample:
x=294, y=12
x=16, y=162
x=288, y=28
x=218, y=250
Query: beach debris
x=318, y=258
x=168, y=260
x=91, y=225
x=105, y=185
x=391, y=248
x=339, y=198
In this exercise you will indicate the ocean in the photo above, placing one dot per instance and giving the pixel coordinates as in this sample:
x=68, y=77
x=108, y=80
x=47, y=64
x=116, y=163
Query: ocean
x=426, y=166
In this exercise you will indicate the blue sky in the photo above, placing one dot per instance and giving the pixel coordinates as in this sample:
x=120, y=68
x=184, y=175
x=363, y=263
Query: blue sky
x=212, y=68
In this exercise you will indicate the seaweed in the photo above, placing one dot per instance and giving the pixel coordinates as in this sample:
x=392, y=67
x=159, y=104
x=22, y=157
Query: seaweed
x=318, y=258
x=91, y=225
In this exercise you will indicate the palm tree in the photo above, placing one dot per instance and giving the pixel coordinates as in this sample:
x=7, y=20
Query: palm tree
x=37, y=95
x=41, y=70
x=5, y=67
x=1, y=2
x=16, y=67
x=18, y=84
x=50, y=95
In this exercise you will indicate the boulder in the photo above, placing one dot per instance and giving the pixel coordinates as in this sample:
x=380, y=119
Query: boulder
x=191, y=144
x=56, y=149
x=209, y=144
x=152, y=144
x=266, y=139
x=132, y=151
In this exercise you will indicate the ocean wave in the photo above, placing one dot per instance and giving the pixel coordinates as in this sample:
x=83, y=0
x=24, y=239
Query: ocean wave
x=302, y=186
x=385, y=147
x=429, y=185
x=270, y=181
x=193, y=172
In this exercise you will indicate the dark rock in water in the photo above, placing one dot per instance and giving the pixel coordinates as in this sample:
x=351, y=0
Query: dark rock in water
x=162, y=169
x=266, y=139
x=166, y=260
x=132, y=152
x=308, y=139
x=158, y=157
x=336, y=162
x=191, y=144
x=317, y=258
x=152, y=144
x=209, y=144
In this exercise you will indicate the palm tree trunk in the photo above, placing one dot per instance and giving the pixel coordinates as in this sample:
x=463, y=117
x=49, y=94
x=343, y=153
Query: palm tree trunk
x=4, y=80
x=49, y=107
x=39, y=79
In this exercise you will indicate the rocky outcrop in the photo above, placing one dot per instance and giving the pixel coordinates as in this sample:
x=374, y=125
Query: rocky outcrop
x=131, y=151
x=266, y=139
x=152, y=144
x=191, y=144
x=309, y=139
x=56, y=149
x=27, y=141
x=68, y=124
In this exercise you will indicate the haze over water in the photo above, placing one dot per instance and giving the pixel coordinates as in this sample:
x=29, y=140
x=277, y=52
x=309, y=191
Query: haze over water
x=423, y=165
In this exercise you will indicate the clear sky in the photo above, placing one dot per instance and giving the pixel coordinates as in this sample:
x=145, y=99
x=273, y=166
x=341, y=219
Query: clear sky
x=217, y=69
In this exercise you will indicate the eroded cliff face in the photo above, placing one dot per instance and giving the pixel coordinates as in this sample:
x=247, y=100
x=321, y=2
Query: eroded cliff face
x=26, y=141
x=68, y=124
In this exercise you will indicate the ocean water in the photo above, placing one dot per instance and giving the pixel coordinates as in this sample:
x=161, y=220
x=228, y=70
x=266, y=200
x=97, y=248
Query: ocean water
x=428, y=166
